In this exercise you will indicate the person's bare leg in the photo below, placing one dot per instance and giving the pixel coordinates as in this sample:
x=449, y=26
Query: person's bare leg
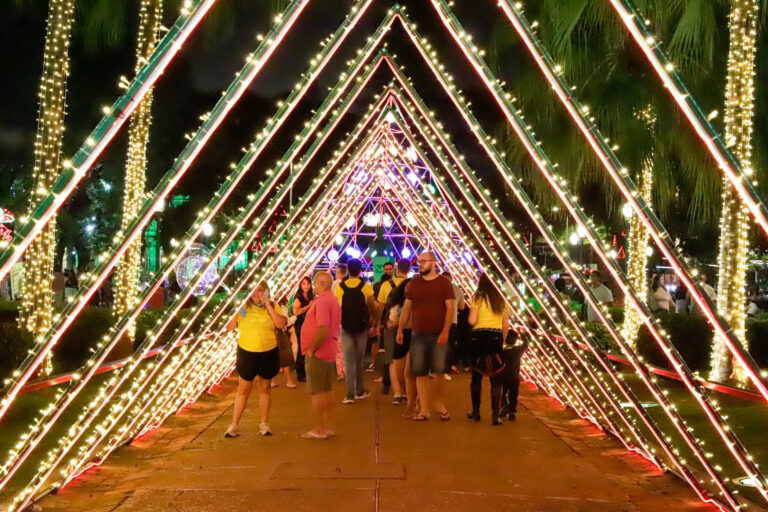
x=396, y=377
x=318, y=405
x=241, y=400
x=327, y=414
x=422, y=387
x=265, y=399
x=437, y=393
x=410, y=387
x=374, y=352
x=288, y=376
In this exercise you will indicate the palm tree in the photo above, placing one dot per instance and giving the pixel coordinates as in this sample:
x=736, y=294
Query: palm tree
x=735, y=219
x=37, y=308
x=589, y=40
x=126, y=279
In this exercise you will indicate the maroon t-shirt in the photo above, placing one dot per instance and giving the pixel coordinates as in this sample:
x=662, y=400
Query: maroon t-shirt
x=428, y=303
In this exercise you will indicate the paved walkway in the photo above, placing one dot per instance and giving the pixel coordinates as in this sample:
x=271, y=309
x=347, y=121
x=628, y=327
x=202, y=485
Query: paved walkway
x=548, y=460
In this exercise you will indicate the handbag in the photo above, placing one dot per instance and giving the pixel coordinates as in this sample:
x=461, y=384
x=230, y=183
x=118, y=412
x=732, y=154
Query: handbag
x=284, y=348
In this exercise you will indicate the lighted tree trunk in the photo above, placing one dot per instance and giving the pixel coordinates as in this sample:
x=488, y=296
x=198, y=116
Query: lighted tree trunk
x=127, y=275
x=37, y=287
x=734, y=221
x=637, y=239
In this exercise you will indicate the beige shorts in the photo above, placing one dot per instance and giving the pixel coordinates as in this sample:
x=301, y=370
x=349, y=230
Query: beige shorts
x=321, y=375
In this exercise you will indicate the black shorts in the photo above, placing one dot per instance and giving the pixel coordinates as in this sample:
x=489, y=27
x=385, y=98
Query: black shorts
x=252, y=364
x=402, y=350
x=487, y=353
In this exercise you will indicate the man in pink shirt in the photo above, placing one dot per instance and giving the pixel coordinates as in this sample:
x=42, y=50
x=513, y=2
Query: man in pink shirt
x=321, y=329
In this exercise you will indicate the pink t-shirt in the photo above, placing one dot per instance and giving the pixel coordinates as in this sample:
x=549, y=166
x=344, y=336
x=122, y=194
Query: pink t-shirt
x=324, y=311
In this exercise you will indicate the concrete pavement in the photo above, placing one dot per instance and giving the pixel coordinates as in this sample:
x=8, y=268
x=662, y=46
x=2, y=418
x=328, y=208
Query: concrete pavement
x=548, y=460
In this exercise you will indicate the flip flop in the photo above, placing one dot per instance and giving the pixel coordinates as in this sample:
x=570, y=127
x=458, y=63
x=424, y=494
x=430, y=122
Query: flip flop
x=312, y=435
x=420, y=417
x=444, y=416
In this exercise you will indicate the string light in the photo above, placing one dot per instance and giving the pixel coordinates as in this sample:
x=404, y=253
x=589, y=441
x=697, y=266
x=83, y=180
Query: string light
x=734, y=217
x=127, y=276
x=638, y=236
x=35, y=315
x=545, y=363
x=70, y=175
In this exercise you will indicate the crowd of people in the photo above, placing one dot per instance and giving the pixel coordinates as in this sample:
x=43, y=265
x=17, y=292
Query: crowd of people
x=413, y=325
x=661, y=297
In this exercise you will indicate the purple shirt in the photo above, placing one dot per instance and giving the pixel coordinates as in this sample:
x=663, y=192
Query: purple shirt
x=324, y=311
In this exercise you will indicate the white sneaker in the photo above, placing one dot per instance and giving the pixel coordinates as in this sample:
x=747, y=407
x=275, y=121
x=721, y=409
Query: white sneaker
x=348, y=400
x=264, y=430
x=232, y=431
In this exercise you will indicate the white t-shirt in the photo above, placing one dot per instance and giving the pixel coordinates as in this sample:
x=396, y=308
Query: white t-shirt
x=604, y=296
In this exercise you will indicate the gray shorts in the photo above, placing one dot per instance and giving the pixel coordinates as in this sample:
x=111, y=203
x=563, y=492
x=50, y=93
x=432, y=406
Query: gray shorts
x=427, y=355
x=388, y=343
x=321, y=375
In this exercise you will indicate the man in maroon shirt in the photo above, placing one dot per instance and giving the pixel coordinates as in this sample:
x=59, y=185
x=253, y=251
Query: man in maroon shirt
x=429, y=300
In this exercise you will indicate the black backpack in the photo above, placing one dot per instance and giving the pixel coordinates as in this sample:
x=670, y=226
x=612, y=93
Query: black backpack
x=354, y=308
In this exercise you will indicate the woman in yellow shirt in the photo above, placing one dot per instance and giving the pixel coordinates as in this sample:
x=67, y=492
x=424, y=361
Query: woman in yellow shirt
x=257, y=354
x=488, y=317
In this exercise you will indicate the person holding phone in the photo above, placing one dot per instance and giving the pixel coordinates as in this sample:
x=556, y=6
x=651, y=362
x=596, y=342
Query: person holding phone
x=257, y=355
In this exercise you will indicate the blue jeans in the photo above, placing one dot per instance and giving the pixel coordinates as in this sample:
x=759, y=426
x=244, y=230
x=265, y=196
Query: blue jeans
x=427, y=355
x=353, y=346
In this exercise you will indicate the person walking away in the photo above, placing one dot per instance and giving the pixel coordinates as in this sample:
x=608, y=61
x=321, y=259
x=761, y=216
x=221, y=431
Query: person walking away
x=512, y=355
x=257, y=355
x=662, y=299
x=356, y=299
x=390, y=377
x=70, y=287
x=320, y=331
x=488, y=317
x=389, y=270
x=708, y=291
x=401, y=359
x=301, y=304
x=284, y=347
x=342, y=272
x=341, y=275
x=561, y=291
x=601, y=292
x=429, y=300
x=58, y=285
x=453, y=336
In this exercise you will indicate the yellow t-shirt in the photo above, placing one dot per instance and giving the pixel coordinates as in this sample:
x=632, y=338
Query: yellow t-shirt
x=486, y=318
x=353, y=282
x=387, y=288
x=257, y=331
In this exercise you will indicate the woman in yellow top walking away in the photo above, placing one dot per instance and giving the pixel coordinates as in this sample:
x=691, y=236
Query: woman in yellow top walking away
x=257, y=355
x=488, y=317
